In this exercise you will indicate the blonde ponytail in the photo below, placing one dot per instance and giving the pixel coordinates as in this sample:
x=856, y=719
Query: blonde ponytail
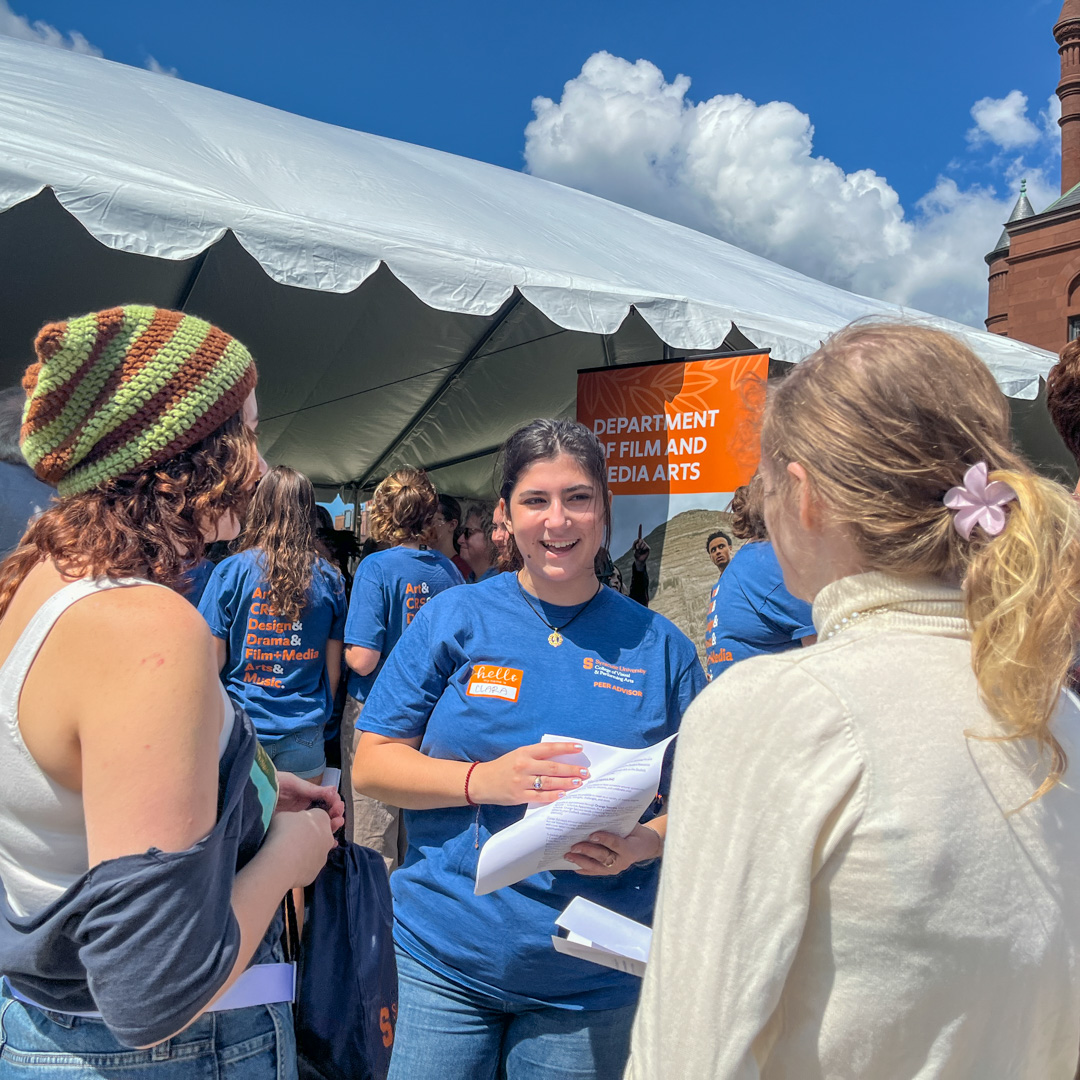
x=1022, y=598
x=885, y=418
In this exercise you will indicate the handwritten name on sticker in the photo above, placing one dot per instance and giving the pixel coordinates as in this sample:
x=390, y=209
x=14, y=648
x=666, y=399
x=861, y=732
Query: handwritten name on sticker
x=490, y=680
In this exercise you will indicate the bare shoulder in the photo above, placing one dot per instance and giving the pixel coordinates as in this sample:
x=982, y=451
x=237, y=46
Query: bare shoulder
x=123, y=704
x=131, y=624
x=144, y=650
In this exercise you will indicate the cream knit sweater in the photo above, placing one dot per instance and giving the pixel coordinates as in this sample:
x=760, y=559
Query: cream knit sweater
x=843, y=894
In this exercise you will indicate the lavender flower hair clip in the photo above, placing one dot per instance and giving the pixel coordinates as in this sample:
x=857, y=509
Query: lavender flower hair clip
x=978, y=502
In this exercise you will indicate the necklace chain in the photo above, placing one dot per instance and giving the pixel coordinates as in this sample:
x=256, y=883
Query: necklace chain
x=855, y=617
x=555, y=638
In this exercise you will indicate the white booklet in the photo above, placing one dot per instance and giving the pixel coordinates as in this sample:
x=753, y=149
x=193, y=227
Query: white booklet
x=605, y=937
x=618, y=791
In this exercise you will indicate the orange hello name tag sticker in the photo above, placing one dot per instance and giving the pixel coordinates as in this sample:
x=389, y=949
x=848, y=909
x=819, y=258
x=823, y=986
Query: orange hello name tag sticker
x=490, y=680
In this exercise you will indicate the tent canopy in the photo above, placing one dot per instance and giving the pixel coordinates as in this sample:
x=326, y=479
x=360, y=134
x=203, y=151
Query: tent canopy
x=404, y=305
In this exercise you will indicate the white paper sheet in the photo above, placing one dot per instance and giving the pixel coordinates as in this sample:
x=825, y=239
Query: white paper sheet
x=585, y=950
x=602, y=936
x=619, y=789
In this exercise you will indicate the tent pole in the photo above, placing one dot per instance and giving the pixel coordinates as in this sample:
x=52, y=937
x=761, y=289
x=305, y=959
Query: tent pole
x=422, y=414
x=609, y=360
x=196, y=270
x=462, y=459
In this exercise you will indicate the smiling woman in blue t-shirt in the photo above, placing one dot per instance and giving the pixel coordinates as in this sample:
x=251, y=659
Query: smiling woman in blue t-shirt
x=481, y=988
x=277, y=610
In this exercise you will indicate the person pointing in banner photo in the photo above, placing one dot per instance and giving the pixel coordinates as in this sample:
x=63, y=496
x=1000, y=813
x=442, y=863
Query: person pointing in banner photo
x=452, y=733
x=610, y=574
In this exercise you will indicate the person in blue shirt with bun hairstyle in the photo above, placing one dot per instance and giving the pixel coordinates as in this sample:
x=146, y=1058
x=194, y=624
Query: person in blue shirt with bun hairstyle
x=391, y=587
x=451, y=733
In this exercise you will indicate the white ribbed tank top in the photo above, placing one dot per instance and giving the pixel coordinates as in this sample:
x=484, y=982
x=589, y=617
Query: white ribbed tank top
x=42, y=828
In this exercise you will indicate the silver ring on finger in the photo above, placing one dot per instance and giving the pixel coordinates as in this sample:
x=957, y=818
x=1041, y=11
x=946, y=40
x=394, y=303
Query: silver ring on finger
x=609, y=863
x=538, y=783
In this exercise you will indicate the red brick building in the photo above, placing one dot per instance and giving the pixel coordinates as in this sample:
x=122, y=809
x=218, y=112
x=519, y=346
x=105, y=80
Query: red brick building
x=1035, y=267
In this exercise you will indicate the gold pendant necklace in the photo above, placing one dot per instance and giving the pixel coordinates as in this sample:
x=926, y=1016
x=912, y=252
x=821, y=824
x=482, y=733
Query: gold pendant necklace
x=555, y=638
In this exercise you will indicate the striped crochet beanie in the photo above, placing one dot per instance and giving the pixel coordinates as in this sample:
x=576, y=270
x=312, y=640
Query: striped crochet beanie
x=121, y=390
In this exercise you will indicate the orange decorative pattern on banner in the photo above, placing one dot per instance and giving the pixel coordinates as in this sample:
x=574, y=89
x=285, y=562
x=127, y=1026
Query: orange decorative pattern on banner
x=684, y=427
x=490, y=680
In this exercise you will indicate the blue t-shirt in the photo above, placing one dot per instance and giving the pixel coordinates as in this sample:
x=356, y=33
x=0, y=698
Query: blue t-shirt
x=750, y=611
x=389, y=589
x=193, y=584
x=274, y=669
x=623, y=676
x=22, y=497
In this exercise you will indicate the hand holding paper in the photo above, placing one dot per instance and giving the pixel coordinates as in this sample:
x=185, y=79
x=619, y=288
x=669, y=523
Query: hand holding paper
x=605, y=853
x=620, y=787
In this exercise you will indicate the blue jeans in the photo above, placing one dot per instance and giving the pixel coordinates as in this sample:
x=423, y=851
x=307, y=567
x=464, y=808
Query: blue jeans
x=301, y=752
x=445, y=1032
x=256, y=1043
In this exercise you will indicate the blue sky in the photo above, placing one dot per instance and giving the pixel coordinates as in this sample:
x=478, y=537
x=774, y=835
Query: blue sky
x=872, y=171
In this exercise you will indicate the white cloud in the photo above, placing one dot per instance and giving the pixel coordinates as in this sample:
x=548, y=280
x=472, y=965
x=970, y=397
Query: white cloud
x=1048, y=121
x=157, y=68
x=748, y=174
x=1003, y=122
x=19, y=26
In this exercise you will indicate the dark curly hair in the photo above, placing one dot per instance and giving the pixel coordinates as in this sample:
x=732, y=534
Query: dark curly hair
x=713, y=535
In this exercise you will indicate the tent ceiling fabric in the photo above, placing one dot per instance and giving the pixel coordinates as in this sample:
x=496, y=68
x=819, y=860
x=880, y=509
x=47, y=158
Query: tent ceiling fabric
x=404, y=304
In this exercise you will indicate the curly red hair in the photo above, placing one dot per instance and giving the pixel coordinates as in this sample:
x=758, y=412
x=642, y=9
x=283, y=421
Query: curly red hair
x=146, y=524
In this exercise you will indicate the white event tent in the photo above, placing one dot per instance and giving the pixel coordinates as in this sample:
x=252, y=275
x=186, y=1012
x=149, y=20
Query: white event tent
x=404, y=305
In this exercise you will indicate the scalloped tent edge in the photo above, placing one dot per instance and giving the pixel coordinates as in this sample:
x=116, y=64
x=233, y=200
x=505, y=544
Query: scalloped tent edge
x=405, y=305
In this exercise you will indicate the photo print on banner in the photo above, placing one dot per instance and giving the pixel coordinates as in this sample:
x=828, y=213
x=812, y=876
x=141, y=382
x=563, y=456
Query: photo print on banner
x=679, y=437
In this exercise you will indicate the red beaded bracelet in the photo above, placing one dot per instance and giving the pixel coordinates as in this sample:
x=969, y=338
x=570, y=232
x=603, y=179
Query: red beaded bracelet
x=468, y=777
x=468, y=799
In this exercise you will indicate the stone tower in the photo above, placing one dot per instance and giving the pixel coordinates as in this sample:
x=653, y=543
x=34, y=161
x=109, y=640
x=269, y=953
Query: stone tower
x=1034, y=286
x=1067, y=35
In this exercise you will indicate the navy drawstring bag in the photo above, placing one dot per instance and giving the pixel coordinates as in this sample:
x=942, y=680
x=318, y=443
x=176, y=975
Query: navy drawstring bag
x=346, y=981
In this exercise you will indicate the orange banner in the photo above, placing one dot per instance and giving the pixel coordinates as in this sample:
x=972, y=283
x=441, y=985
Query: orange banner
x=680, y=427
